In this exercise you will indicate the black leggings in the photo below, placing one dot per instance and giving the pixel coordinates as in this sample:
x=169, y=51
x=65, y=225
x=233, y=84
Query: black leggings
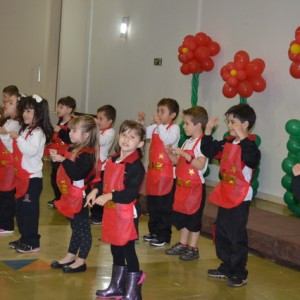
x=126, y=255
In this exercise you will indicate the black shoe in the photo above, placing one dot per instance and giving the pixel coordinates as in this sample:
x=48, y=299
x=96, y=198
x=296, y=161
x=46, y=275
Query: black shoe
x=68, y=269
x=158, y=243
x=236, y=282
x=150, y=236
x=14, y=244
x=95, y=221
x=216, y=273
x=51, y=203
x=25, y=248
x=56, y=265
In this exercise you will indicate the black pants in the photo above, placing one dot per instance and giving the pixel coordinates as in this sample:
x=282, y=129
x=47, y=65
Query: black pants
x=81, y=239
x=28, y=213
x=55, y=188
x=232, y=240
x=126, y=255
x=7, y=210
x=160, y=215
x=97, y=210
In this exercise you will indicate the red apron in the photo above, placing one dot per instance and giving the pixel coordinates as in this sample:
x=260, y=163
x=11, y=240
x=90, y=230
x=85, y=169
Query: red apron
x=70, y=202
x=188, y=193
x=22, y=177
x=233, y=188
x=117, y=224
x=159, y=179
x=56, y=144
x=7, y=173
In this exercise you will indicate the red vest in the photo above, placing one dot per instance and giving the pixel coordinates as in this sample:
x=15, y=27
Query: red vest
x=7, y=173
x=188, y=193
x=233, y=188
x=22, y=177
x=159, y=179
x=70, y=202
x=118, y=219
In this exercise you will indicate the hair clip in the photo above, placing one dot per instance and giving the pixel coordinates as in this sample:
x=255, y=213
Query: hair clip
x=37, y=98
x=21, y=95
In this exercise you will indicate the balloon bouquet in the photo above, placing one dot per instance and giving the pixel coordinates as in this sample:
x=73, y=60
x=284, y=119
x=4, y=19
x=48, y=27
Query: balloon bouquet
x=195, y=55
x=292, y=127
x=243, y=77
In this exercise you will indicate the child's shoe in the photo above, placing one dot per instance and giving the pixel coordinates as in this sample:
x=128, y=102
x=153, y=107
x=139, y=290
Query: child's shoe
x=14, y=244
x=176, y=249
x=236, y=282
x=190, y=254
x=158, y=243
x=217, y=274
x=5, y=231
x=148, y=237
x=24, y=248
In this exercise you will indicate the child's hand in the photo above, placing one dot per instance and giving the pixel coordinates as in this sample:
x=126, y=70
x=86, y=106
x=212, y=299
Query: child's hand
x=2, y=130
x=156, y=119
x=141, y=116
x=212, y=122
x=296, y=169
x=13, y=134
x=240, y=130
x=103, y=199
x=56, y=128
x=57, y=157
x=90, y=198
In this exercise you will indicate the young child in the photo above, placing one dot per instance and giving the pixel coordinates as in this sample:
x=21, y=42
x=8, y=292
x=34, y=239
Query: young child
x=123, y=177
x=190, y=193
x=60, y=140
x=239, y=156
x=160, y=184
x=28, y=149
x=9, y=92
x=106, y=116
x=74, y=173
x=7, y=183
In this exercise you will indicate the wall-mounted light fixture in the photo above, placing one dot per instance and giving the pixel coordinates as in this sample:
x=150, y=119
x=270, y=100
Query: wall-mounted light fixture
x=124, y=27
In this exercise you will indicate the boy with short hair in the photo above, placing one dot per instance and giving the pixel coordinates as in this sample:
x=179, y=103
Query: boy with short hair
x=160, y=185
x=10, y=91
x=106, y=116
x=60, y=141
x=190, y=193
x=239, y=156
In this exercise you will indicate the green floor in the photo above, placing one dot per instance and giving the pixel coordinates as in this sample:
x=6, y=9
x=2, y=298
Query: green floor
x=28, y=276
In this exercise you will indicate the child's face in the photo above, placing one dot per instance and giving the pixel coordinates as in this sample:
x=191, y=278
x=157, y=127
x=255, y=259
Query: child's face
x=10, y=106
x=164, y=114
x=189, y=128
x=129, y=141
x=5, y=98
x=77, y=136
x=28, y=116
x=63, y=111
x=102, y=120
x=235, y=125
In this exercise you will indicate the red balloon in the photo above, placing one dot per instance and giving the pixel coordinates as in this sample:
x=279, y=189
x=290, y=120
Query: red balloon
x=194, y=66
x=241, y=75
x=238, y=65
x=190, y=55
x=223, y=70
x=297, y=35
x=258, y=84
x=207, y=65
x=292, y=56
x=190, y=42
x=242, y=56
x=230, y=66
x=254, y=68
x=180, y=48
x=229, y=91
x=260, y=64
x=245, y=89
x=213, y=48
x=232, y=81
x=184, y=69
x=201, y=54
x=225, y=75
x=201, y=39
x=295, y=70
x=183, y=58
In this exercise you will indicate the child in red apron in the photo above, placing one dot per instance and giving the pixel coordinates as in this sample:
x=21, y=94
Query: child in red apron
x=106, y=116
x=76, y=169
x=239, y=156
x=60, y=141
x=28, y=149
x=7, y=176
x=189, y=199
x=123, y=177
x=160, y=183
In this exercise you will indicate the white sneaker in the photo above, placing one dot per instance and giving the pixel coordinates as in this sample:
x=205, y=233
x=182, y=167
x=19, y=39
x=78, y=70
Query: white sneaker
x=4, y=231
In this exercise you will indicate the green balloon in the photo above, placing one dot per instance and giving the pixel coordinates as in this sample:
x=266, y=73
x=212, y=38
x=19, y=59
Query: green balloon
x=206, y=172
x=257, y=140
x=289, y=199
x=256, y=172
x=293, y=127
x=293, y=145
x=293, y=156
x=255, y=184
x=287, y=165
x=286, y=182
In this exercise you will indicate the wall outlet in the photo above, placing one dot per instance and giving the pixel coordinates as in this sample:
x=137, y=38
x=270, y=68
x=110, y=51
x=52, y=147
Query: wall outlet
x=157, y=61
